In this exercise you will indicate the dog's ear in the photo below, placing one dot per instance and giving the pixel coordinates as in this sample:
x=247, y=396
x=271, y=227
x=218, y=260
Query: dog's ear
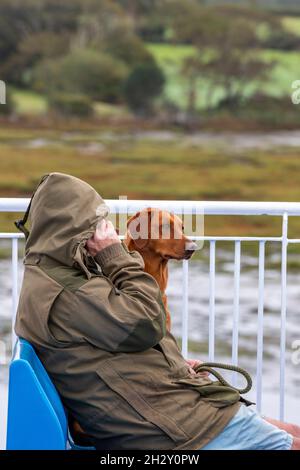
x=138, y=228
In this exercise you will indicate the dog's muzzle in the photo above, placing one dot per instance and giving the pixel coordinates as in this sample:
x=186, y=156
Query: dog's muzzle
x=190, y=248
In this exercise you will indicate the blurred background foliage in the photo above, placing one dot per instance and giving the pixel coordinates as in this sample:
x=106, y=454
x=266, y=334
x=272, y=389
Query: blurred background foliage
x=122, y=92
x=199, y=57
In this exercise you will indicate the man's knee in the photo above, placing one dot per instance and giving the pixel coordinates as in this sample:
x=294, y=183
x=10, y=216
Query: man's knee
x=295, y=430
x=296, y=444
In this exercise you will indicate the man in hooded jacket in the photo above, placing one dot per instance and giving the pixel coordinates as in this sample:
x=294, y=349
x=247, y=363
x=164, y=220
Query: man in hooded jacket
x=97, y=322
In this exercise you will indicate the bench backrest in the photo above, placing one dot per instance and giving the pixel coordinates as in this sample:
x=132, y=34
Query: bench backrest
x=36, y=416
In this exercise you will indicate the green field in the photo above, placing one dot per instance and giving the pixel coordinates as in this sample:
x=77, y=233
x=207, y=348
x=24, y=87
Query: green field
x=171, y=59
x=292, y=24
x=29, y=102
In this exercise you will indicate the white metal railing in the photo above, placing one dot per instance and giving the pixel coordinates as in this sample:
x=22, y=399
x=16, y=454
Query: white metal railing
x=282, y=209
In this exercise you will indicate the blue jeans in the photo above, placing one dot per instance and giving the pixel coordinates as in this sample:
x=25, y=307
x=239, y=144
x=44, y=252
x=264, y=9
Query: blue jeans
x=249, y=431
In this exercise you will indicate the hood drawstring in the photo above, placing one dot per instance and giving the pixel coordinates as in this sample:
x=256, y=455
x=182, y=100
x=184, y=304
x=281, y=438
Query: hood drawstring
x=20, y=224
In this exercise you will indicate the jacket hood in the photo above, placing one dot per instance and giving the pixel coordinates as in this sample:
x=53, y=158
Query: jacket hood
x=64, y=213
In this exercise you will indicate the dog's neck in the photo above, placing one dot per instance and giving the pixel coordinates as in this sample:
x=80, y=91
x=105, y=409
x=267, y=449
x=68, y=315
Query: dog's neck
x=154, y=265
x=158, y=268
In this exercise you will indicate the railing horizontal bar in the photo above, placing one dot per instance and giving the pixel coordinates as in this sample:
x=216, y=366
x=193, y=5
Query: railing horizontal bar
x=236, y=239
x=189, y=207
x=11, y=235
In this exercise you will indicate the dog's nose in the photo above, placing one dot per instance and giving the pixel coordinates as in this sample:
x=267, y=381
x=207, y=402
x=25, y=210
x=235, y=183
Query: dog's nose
x=191, y=246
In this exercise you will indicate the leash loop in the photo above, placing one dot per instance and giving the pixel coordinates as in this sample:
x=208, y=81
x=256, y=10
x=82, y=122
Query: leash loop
x=209, y=367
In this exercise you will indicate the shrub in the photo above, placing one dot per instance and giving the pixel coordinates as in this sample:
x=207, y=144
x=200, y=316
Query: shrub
x=85, y=72
x=143, y=85
x=71, y=105
x=282, y=40
x=270, y=111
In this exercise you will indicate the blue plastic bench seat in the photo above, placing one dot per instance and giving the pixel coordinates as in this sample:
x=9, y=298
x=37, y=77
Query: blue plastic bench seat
x=36, y=416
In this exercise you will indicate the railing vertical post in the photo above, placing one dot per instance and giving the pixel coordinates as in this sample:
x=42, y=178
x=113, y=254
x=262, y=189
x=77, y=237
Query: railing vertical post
x=212, y=272
x=236, y=307
x=14, y=260
x=284, y=245
x=260, y=323
x=185, y=308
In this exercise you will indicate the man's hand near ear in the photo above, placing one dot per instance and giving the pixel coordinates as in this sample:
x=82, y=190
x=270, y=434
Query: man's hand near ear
x=105, y=235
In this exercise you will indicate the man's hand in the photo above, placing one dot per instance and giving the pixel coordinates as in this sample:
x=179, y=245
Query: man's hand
x=105, y=235
x=192, y=363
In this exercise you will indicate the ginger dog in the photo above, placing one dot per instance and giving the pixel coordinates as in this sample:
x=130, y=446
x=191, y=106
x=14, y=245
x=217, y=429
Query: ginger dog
x=158, y=236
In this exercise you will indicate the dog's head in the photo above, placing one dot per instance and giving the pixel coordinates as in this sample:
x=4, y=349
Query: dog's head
x=159, y=232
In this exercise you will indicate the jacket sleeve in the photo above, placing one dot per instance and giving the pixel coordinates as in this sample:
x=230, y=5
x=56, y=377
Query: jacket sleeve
x=122, y=310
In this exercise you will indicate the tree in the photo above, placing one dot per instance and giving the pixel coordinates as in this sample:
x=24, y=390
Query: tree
x=37, y=31
x=147, y=18
x=225, y=50
x=143, y=85
x=106, y=26
x=22, y=26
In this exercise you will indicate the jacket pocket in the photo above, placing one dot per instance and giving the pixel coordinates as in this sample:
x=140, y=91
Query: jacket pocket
x=212, y=392
x=112, y=373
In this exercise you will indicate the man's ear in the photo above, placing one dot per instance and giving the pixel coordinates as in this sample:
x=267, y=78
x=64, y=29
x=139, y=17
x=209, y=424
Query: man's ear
x=139, y=228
